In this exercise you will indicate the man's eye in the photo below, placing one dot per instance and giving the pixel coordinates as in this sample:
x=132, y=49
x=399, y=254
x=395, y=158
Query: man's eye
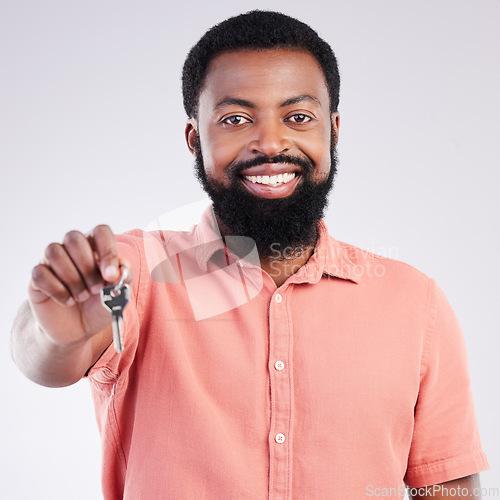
x=300, y=118
x=235, y=120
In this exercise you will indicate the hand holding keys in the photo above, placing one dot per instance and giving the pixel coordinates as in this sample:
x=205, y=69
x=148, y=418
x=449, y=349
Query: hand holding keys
x=115, y=298
x=66, y=298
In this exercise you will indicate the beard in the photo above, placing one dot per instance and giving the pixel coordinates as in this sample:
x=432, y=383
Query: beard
x=280, y=227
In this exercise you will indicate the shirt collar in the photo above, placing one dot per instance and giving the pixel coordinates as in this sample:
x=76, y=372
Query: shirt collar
x=330, y=257
x=208, y=238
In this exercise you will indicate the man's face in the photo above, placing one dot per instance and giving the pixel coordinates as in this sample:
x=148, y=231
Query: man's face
x=264, y=142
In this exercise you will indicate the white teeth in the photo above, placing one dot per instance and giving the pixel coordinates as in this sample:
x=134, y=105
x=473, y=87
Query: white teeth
x=271, y=180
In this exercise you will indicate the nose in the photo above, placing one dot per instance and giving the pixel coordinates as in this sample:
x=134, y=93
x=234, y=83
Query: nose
x=270, y=138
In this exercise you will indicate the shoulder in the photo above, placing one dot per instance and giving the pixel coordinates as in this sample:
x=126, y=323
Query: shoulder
x=390, y=280
x=369, y=264
x=150, y=242
x=150, y=252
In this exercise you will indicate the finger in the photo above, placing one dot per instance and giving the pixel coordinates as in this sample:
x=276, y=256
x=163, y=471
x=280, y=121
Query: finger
x=64, y=269
x=130, y=276
x=80, y=252
x=103, y=242
x=45, y=284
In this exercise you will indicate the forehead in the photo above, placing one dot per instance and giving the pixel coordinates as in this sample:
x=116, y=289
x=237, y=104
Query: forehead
x=264, y=75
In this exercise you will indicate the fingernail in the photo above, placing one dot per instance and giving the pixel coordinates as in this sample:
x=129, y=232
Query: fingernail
x=70, y=301
x=83, y=296
x=95, y=290
x=110, y=273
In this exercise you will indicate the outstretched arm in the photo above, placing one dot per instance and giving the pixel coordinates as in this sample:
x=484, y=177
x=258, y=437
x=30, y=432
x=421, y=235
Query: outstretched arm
x=63, y=329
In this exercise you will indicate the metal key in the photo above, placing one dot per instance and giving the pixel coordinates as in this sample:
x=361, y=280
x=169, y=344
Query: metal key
x=115, y=298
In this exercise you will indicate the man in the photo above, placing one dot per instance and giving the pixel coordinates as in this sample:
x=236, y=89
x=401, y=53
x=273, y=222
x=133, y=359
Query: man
x=262, y=358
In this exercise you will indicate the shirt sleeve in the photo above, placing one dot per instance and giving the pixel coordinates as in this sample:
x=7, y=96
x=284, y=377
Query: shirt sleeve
x=445, y=443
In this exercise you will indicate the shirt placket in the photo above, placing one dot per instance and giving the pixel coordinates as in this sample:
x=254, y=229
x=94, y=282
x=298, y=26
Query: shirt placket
x=280, y=376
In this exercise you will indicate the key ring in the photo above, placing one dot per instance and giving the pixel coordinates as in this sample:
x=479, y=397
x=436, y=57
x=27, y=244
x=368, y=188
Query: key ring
x=124, y=276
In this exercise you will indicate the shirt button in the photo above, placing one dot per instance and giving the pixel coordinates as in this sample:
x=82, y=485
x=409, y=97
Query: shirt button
x=278, y=298
x=279, y=365
x=279, y=438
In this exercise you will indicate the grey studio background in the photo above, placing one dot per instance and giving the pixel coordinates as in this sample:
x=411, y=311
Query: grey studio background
x=92, y=131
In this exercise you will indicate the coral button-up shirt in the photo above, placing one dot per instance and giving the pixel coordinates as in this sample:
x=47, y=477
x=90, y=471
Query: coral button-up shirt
x=349, y=378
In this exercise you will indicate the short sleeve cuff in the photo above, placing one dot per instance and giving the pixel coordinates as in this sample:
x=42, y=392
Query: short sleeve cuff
x=447, y=469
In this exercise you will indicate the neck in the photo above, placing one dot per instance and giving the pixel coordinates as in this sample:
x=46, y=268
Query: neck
x=281, y=263
x=280, y=269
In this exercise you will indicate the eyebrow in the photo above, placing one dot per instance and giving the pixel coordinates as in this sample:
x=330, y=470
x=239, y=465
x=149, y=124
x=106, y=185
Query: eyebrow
x=234, y=101
x=228, y=101
x=298, y=99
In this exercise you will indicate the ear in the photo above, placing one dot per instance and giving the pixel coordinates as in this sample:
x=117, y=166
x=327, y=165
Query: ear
x=190, y=134
x=335, y=127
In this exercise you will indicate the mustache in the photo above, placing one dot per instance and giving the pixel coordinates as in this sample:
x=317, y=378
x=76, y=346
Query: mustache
x=306, y=165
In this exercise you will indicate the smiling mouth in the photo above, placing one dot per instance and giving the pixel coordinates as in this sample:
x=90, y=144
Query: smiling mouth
x=277, y=185
x=271, y=180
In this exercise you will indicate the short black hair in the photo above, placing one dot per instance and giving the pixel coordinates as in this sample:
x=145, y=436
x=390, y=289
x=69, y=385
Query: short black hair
x=256, y=29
